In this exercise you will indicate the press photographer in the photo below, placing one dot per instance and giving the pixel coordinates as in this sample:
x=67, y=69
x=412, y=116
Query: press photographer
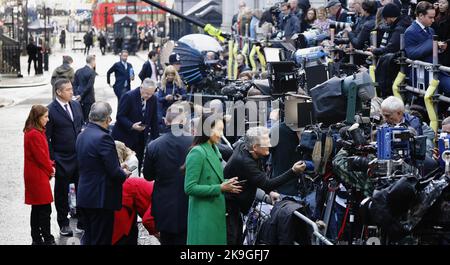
x=245, y=163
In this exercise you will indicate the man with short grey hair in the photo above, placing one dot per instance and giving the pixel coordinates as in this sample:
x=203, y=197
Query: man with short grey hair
x=137, y=118
x=84, y=85
x=245, y=163
x=101, y=177
x=393, y=111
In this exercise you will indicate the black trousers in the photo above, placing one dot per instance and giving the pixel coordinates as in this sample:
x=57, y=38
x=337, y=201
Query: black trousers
x=61, y=190
x=40, y=222
x=103, y=49
x=98, y=226
x=234, y=224
x=132, y=238
x=173, y=239
x=86, y=107
x=34, y=61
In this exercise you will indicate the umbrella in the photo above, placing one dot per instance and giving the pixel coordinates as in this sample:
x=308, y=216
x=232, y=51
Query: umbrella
x=201, y=42
x=193, y=68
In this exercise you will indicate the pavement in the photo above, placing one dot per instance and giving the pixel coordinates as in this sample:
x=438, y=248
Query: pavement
x=17, y=95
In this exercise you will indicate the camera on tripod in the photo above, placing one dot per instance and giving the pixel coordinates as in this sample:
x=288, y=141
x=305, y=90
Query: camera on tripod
x=236, y=90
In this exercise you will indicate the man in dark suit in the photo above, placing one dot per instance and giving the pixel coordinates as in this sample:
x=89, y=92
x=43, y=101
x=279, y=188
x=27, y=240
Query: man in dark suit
x=419, y=36
x=163, y=159
x=65, y=122
x=123, y=73
x=101, y=177
x=137, y=117
x=84, y=85
x=150, y=69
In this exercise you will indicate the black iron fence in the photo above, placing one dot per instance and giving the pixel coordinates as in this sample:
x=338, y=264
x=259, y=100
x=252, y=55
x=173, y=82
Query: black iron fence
x=9, y=56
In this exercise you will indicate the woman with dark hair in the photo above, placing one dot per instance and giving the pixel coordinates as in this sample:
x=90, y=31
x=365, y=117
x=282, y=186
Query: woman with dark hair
x=442, y=27
x=309, y=19
x=205, y=185
x=38, y=170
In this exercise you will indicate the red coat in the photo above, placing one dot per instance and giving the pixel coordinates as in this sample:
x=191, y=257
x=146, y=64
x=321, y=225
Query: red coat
x=136, y=199
x=37, y=168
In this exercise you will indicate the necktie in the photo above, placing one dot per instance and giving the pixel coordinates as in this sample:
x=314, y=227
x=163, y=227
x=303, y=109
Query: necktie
x=143, y=107
x=427, y=30
x=66, y=106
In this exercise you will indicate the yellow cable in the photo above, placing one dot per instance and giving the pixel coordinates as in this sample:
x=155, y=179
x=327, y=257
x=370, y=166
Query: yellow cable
x=429, y=104
x=251, y=58
x=261, y=58
x=395, y=86
x=213, y=31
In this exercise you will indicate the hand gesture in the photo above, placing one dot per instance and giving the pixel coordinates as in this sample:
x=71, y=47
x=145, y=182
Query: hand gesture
x=230, y=186
x=299, y=167
x=275, y=196
x=169, y=97
x=53, y=172
x=138, y=126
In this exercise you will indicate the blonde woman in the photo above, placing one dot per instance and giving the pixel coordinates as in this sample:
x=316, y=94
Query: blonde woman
x=171, y=90
x=127, y=157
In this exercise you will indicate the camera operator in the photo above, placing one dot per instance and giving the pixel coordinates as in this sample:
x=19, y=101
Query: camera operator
x=246, y=164
x=289, y=23
x=337, y=13
x=393, y=111
x=359, y=39
x=396, y=24
x=445, y=129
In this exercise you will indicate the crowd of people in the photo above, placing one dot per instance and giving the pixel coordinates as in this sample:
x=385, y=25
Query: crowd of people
x=168, y=160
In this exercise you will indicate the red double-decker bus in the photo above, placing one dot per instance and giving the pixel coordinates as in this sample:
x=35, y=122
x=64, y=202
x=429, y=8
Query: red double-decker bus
x=147, y=15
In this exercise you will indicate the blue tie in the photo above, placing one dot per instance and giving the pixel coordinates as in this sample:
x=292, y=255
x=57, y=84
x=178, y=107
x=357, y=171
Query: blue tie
x=427, y=30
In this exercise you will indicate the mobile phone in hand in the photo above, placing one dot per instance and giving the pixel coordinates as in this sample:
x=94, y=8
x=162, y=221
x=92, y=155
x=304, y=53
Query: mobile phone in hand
x=133, y=168
x=241, y=182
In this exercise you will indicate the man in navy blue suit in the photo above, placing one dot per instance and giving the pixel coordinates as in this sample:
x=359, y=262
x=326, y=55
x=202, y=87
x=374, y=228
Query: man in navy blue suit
x=101, y=177
x=65, y=122
x=84, y=85
x=163, y=159
x=124, y=74
x=137, y=118
x=150, y=69
x=419, y=36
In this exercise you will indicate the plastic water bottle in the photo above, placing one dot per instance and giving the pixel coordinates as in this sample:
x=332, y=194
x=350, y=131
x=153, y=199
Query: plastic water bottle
x=72, y=199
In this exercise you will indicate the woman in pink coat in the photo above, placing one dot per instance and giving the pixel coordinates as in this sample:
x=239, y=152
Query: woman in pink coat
x=38, y=170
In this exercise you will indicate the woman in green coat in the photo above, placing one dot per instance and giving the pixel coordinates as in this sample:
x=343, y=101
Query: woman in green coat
x=204, y=184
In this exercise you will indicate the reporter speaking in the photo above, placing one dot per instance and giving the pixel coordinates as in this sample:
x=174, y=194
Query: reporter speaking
x=245, y=163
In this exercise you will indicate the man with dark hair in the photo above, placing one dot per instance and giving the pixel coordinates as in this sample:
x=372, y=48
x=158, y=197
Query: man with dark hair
x=84, y=85
x=124, y=74
x=32, y=51
x=65, y=122
x=369, y=9
x=63, y=71
x=289, y=23
x=149, y=69
x=419, y=36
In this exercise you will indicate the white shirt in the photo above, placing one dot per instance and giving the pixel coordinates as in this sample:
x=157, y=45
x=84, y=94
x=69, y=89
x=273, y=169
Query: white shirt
x=421, y=25
x=64, y=108
x=153, y=66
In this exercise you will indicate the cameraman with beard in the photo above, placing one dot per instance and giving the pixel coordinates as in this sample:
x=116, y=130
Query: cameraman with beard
x=245, y=163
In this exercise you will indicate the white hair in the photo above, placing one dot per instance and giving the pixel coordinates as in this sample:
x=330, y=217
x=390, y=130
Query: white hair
x=254, y=134
x=393, y=104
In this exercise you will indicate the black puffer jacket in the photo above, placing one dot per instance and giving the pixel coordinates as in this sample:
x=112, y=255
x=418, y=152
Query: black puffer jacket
x=395, y=30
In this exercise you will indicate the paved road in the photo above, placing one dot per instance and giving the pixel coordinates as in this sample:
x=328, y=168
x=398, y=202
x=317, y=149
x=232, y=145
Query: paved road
x=14, y=216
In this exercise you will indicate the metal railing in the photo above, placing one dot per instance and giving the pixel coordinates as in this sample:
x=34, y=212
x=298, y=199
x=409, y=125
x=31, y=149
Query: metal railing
x=318, y=236
x=9, y=56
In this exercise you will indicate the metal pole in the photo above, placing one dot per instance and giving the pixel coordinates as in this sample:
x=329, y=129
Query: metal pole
x=12, y=23
x=25, y=23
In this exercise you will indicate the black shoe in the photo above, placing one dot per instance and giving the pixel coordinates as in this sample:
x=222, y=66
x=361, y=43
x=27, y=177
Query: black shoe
x=66, y=231
x=50, y=242
x=37, y=242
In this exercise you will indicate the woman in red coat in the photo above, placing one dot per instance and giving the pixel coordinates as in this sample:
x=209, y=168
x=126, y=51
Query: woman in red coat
x=136, y=200
x=38, y=170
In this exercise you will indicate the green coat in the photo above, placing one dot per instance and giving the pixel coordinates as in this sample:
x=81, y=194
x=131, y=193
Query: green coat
x=206, y=214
